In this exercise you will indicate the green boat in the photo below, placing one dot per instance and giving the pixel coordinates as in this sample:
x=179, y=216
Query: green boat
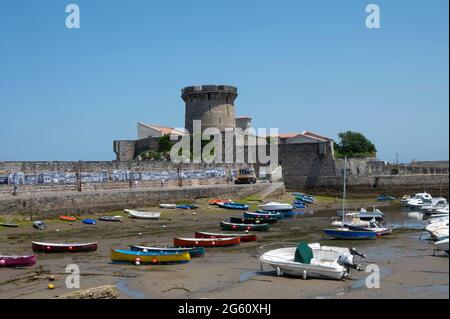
x=244, y=227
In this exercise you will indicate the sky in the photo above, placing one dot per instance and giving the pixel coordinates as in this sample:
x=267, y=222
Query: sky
x=66, y=94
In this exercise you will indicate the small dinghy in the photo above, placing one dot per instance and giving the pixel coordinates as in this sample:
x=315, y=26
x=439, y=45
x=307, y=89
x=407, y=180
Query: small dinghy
x=168, y=206
x=89, y=221
x=188, y=206
x=275, y=206
x=244, y=227
x=441, y=245
x=194, y=252
x=231, y=205
x=242, y=237
x=63, y=247
x=311, y=261
x=67, y=218
x=9, y=225
x=40, y=225
x=111, y=218
x=206, y=242
x=142, y=215
x=263, y=215
x=17, y=261
x=151, y=257
x=345, y=233
x=238, y=220
x=217, y=201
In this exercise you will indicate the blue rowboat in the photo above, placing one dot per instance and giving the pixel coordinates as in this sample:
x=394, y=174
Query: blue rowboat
x=89, y=221
x=305, y=199
x=230, y=205
x=193, y=251
x=299, y=204
x=263, y=215
x=345, y=233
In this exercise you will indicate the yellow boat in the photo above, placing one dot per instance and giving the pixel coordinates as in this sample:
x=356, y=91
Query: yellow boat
x=151, y=257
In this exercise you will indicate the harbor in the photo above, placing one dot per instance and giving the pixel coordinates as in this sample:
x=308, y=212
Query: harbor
x=408, y=263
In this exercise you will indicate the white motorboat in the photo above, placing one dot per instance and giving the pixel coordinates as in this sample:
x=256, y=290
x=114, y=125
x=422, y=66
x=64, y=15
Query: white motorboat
x=442, y=245
x=275, y=206
x=438, y=225
x=441, y=211
x=436, y=204
x=168, y=206
x=311, y=261
x=438, y=231
x=363, y=214
x=419, y=200
x=142, y=215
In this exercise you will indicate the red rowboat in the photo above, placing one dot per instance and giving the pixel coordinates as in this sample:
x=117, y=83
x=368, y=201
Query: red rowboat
x=67, y=218
x=242, y=237
x=216, y=201
x=63, y=248
x=206, y=242
x=17, y=261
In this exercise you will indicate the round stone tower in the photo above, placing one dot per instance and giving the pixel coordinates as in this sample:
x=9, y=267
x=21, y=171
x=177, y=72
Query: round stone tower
x=212, y=104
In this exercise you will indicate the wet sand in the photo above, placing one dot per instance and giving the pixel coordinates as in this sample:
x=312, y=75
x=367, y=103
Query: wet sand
x=408, y=267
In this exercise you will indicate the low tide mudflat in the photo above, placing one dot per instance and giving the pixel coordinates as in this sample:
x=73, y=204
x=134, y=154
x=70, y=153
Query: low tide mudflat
x=408, y=267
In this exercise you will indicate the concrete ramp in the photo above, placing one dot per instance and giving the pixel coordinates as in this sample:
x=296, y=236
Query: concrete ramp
x=272, y=189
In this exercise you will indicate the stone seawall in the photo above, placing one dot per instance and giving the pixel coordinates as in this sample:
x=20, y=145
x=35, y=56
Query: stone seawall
x=75, y=203
x=396, y=185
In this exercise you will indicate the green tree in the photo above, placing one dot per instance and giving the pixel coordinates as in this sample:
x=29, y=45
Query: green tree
x=354, y=144
x=164, y=144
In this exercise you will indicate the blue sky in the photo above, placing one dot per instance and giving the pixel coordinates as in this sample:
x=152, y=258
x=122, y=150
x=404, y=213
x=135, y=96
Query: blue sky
x=299, y=65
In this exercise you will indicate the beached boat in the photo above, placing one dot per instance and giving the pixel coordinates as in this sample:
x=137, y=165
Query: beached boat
x=206, y=242
x=140, y=257
x=263, y=215
x=68, y=218
x=404, y=200
x=436, y=204
x=305, y=199
x=194, y=252
x=239, y=220
x=438, y=230
x=217, y=201
x=385, y=198
x=11, y=225
x=242, y=237
x=168, y=206
x=346, y=233
x=189, y=206
x=63, y=247
x=17, y=261
x=419, y=200
x=38, y=224
x=111, y=218
x=142, y=215
x=311, y=262
x=381, y=231
x=275, y=206
x=89, y=221
x=231, y=205
x=245, y=227
x=442, y=245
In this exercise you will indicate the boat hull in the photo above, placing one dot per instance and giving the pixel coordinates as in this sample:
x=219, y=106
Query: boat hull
x=261, y=215
x=442, y=245
x=234, y=206
x=67, y=218
x=110, y=219
x=17, y=261
x=194, y=252
x=206, y=242
x=153, y=258
x=349, y=234
x=242, y=237
x=244, y=227
x=63, y=248
x=238, y=220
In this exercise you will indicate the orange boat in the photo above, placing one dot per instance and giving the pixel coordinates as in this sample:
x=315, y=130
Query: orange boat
x=216, y=201
x=67, y=218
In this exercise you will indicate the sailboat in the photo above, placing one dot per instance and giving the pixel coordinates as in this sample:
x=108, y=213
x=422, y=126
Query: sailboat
x=344, y=232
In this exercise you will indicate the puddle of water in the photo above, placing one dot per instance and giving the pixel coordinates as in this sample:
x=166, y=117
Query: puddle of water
x=123, y=288
x=246, y=275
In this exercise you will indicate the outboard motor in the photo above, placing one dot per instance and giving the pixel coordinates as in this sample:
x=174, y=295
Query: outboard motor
x=354, y=252
x=343, y=261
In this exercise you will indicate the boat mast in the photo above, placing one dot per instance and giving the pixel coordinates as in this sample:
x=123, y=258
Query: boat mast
x=344, y=191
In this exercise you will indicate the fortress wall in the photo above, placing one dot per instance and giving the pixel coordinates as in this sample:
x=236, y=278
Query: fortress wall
x=74, y=203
